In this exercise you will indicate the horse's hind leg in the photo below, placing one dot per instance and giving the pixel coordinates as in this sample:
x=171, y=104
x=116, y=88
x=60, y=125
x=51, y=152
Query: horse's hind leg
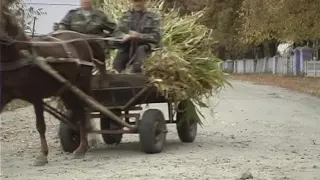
x=41, y=127
x=78, y=115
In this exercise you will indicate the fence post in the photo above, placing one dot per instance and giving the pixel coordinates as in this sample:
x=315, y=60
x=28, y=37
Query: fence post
x=305, y=67
x=314, y=68
x=265, y=65
x=274, y=68
x=244, y=66
x=287, y=65
x=255, y=65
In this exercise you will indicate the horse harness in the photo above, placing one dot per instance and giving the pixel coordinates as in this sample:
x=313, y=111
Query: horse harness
x=12, y=65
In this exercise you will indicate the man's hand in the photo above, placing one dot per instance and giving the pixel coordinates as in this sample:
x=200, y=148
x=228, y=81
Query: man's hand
x=131, y=35
x=135, y=34
x=62, y=27
x=126, y=37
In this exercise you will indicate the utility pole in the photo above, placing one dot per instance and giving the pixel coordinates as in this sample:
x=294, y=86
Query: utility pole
x=33, y=26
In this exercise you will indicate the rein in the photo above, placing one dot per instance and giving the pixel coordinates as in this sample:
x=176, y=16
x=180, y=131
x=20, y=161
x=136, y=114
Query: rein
x=11, y=41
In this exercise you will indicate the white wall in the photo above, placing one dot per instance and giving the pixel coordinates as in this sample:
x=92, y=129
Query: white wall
x=54, y=12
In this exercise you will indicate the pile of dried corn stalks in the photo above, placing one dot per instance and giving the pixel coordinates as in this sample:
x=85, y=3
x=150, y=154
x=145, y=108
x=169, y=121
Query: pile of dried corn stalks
x=185, y=68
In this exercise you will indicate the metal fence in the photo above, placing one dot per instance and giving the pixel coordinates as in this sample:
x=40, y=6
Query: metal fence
x=283, y=65
x=312, y=68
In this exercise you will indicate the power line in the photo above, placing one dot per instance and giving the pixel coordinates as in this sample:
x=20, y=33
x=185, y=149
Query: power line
x=51, y=4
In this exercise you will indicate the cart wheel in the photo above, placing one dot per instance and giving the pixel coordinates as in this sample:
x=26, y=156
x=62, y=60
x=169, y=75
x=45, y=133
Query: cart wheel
x=152, y=131
x=108, y=124
x=187, y=130
x=69, y=139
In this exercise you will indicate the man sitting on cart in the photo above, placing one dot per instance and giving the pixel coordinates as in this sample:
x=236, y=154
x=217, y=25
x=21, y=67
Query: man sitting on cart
x=141, y=29
x=88, y=20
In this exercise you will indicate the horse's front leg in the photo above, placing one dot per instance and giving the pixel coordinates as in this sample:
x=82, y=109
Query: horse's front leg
x=81, y=115
x=41, y=127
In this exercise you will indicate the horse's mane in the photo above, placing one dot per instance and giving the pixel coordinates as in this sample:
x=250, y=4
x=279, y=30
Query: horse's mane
x=9, y=24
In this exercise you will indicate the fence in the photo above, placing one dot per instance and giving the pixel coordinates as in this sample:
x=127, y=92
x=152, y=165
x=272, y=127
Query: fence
x=284, y=65
x=312, y=68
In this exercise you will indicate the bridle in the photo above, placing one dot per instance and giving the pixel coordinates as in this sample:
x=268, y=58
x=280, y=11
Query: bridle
x=4, y=41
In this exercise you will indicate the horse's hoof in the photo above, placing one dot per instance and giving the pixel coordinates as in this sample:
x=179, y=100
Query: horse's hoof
x=78, y=155
x=41, y=161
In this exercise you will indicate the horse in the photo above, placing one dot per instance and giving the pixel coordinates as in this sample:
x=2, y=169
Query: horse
x=96, y=46
x=22, y=79
x=58, y=50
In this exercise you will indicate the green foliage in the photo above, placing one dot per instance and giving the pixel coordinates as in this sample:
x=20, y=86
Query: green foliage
x=187, y=45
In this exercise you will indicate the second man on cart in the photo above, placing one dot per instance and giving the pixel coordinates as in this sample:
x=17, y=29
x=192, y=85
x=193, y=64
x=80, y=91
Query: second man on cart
x=140, y=30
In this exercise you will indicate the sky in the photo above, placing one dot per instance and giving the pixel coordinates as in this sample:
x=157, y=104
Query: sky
x=54, y=12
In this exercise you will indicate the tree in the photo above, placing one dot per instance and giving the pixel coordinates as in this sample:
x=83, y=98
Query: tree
x=269, y=22
x=284, y=20
x=26, y=14
x=185, y=6
x=254, y=28
x=223, y=17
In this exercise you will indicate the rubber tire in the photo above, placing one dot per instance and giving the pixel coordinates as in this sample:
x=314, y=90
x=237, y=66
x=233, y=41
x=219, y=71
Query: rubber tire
x=108, y=124
x=187, y=131
x=69, y=139
x=147, y=131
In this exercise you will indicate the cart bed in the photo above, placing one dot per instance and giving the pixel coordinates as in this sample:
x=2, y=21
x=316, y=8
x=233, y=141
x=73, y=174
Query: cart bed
x=118, y=89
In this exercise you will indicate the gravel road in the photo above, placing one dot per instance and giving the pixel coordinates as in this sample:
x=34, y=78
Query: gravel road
x=270, y=132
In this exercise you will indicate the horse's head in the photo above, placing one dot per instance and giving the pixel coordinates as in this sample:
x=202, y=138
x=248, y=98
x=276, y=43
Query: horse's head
x=12, y=36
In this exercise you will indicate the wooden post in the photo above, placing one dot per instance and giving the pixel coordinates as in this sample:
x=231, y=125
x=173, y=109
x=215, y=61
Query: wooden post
x=33, y=26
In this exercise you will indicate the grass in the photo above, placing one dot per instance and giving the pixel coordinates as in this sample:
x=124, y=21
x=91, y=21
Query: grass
x=308, y=85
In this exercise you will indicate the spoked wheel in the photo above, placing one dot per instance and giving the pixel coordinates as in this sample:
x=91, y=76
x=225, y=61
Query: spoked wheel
x=108, y=124
x=152, y=131
x=69, y=138
x=187, y=128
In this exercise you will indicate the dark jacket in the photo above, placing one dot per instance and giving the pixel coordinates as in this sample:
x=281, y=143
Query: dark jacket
x=95, y=22
x=147, y=23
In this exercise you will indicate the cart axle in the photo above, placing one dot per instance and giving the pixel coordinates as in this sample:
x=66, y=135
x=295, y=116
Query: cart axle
x=131, y=115
x=121, y=131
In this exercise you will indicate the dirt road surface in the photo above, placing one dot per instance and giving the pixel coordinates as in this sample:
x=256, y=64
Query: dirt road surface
x=270, y=132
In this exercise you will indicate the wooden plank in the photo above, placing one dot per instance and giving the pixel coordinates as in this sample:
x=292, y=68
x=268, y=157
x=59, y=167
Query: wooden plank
x=118, y=80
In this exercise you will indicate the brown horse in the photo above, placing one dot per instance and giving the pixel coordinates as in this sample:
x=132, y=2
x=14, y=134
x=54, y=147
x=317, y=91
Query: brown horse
x=63, y=49
x=96, y=47
x=21, y=79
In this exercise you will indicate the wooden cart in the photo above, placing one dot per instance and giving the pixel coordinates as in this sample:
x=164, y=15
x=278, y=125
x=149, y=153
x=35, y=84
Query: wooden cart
x=123, y=94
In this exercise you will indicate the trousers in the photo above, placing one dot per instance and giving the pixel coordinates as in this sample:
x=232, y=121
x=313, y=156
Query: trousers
x=122, y=58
